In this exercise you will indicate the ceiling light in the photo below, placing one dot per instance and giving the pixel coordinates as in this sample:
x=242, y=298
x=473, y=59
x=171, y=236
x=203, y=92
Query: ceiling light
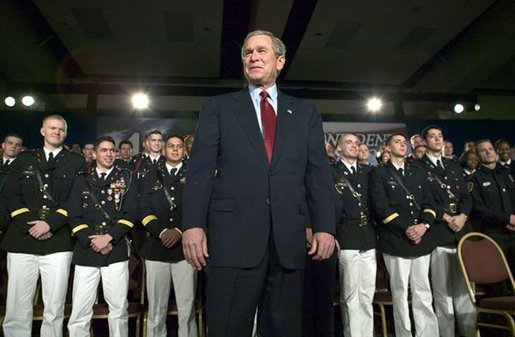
x=458, y=108
x=28, y=100
x=10, y=101
x=374, y=104
x=140, y=101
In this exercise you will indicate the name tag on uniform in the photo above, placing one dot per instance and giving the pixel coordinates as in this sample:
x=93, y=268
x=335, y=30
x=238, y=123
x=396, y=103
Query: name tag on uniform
x=486, y=183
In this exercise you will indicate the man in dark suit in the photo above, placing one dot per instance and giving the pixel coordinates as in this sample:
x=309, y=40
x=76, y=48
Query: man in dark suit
x=257, y=174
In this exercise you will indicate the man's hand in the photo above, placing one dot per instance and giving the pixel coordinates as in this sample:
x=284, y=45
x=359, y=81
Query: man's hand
x=194, y=247
x=39, y=227
x=45, y=236
x=99, y=242
x=309, y=237
x=170, y=237
x=510, y=227
x=512, y=219
x=322, y=246
x=107, y=249
x=415, y=233
x=457, y=222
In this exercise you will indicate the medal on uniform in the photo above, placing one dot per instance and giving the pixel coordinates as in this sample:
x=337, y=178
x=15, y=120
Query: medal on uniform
x=109, y=194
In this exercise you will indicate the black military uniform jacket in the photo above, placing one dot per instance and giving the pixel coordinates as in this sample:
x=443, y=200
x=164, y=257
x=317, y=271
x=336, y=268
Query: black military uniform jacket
x=450, y=195
x=141, y=164
x=354, y=229
x=117, y=196
x=158, y=213
x=493, y=194
x=396, y=211
x=4, y=214
x=510, y=168
x=36, y=190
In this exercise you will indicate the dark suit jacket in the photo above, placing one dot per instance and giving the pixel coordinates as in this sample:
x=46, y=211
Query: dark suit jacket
x=240, y=198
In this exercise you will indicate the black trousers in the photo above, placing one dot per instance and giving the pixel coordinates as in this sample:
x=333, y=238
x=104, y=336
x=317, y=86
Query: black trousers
x=318, y=297
x=233, y=294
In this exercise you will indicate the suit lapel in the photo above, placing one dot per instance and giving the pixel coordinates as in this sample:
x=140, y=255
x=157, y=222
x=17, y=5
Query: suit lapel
x=246, y=115
x=285, y=114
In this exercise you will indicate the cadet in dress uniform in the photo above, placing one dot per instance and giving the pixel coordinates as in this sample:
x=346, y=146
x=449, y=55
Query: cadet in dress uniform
x=493, y=194
x=402, y=202
x=503, y=149
x=141, y=165
x=11, y=149
x=160, y=213
x=38, y=240
x=453, y=205
x=357, y=238
x=103, y=208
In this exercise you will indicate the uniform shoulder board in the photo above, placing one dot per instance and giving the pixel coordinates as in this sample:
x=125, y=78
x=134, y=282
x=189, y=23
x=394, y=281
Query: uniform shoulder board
x=470, y=186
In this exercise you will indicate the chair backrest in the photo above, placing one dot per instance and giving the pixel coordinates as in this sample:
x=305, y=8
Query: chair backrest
x=482, y=260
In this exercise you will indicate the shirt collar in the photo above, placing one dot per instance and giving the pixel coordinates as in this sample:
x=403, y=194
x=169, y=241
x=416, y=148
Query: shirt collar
x=398, y=167
x=255, y=92
x=108, y=171
x=178, y=167
x=433, y=159
x=55, y=152
x=349, y=166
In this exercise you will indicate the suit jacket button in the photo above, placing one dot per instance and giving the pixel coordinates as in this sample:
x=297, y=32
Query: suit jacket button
x=268, y=201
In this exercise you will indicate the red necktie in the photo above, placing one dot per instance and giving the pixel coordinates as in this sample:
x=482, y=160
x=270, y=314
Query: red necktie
x=268, y=120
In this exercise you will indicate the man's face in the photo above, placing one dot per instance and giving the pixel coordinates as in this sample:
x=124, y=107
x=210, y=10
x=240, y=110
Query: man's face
x=260, y=64
x=105, y=155
x=88, y=151
x=419, y=152
x=472, y=161
x=155, y=143
x=448, y=148
x=434, y=140
x=416, y=141
x=486, y=153
x=397, y=146
x=174, y=150
x=53, y=132
x=349, y=146
x=11, y=147
x=504, y=151
x=125, y=151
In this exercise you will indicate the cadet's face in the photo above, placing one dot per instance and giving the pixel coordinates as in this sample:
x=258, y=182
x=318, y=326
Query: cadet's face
x=397, y=146
x=504, y=151
x=155, y=143
x=11, y=147
x=448, y=148
x=53, y=132
x=174, y=150
x=88, y=151
x=363, y=152
x=105, y=155
x=260, y=64
x=418, y=140
x=472, y=161
x=419, y=152
x=434, y=140
x=486, y=153
x=125, y=151
x=349, y=146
